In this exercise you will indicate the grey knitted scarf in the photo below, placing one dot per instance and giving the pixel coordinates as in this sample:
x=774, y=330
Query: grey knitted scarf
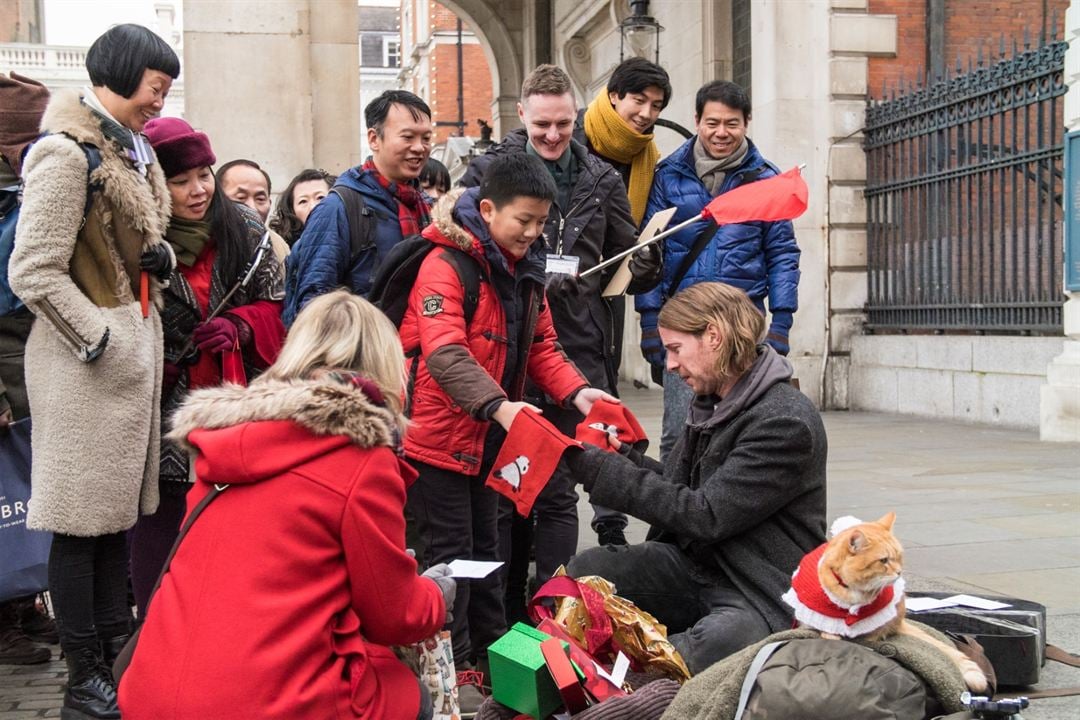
x=712, y=171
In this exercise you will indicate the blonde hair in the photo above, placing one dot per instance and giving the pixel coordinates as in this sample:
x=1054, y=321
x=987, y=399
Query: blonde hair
x=342, y=331
x=740, y=324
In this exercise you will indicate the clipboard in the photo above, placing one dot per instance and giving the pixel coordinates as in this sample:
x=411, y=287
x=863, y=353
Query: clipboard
x=621, y=279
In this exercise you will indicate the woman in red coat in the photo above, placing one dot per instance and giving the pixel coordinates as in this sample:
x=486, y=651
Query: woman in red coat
x=285, y=595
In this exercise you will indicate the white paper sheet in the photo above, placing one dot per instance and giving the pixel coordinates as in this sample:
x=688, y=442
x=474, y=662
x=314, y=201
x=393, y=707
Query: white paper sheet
x=621, y=279
x=922, y=604
x=919, y=604
x=977, y=602
x=618, y=670
x=473, y=568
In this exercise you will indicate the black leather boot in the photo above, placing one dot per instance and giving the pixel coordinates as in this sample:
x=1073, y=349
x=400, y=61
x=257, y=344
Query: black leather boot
x=111, y=648
x=36, y=623
x=91, y=694
x=15, y=647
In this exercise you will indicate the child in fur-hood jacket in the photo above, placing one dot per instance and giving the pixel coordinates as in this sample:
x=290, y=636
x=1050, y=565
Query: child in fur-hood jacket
x=468, y=374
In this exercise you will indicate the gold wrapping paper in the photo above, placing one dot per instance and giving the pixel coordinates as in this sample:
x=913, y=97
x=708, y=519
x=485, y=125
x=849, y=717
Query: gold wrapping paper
x=641, y=636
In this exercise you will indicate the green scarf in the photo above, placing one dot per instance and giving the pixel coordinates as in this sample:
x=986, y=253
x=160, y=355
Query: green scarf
x=187, y=237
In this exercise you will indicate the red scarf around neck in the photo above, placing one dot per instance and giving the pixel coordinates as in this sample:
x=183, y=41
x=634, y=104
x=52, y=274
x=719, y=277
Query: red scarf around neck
x=413, y=212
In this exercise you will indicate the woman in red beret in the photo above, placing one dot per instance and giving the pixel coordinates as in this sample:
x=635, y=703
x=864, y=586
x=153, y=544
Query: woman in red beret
x=214, y=240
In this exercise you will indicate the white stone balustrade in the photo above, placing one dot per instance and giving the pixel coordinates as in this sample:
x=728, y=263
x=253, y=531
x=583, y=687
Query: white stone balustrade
x=18, y=56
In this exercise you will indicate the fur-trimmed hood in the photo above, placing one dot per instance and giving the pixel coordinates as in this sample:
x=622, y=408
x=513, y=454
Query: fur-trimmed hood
x=255, y=433
x=442, y=218
x=323, y=407
x=456, y=221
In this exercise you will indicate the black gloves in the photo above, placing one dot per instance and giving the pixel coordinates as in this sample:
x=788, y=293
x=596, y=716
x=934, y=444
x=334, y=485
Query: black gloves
x=646, y=267
x=157, y=261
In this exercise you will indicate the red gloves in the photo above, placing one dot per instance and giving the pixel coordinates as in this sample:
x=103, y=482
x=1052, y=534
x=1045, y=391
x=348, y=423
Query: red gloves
x=217, y=335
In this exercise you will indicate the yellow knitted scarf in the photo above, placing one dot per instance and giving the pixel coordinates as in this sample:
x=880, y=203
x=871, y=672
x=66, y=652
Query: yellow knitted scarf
x=611, y=137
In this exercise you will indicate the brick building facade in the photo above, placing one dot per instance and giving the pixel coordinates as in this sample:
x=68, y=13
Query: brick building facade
x=965, y=26
x=21, y=21
x=430, y=68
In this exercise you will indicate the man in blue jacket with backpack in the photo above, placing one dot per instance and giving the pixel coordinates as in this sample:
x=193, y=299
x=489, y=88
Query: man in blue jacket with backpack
x=370, y=208
x=760, y=258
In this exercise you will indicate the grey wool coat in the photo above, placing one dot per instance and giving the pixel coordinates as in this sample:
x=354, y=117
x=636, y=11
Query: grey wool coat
x=96, y=433
x=742, y=493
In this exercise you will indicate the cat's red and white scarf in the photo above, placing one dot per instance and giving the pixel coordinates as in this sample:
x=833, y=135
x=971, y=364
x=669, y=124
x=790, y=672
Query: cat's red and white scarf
x=820, y=609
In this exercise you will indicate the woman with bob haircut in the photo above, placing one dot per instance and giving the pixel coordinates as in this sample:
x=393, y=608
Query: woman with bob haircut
x=91, y=262
x=303, y=193
x=290, y=587
x=215, y=240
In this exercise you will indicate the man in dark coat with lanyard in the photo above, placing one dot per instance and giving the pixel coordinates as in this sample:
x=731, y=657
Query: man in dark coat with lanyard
x=617, y=128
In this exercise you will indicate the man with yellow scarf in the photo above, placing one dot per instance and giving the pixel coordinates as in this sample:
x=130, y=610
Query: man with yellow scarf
x=617, y=128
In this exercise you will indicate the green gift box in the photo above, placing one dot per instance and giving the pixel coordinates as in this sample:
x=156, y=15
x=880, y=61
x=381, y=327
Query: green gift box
x=519, y=676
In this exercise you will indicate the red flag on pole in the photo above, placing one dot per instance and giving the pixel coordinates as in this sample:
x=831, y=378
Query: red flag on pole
x=782, y=197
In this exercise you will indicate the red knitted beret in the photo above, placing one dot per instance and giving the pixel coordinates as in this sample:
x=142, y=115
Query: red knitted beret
x=178, y=146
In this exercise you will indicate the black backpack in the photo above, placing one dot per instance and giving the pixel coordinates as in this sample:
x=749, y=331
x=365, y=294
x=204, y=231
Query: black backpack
x=396, y=273
x=360, y=220
x=398, y=270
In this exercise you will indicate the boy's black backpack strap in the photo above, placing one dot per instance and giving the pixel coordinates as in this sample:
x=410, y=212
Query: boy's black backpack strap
x=360, y=219
x=470, y=274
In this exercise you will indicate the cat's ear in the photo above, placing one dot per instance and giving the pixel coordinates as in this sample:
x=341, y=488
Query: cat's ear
x=887, y=521
x=856, y=542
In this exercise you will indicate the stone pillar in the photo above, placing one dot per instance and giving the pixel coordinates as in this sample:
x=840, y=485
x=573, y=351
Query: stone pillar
x=248, y=74
x=335, y=85
x=854, y=35
x=251, y=68
x=1059, y=406
x=812, y=112
x=791, y=124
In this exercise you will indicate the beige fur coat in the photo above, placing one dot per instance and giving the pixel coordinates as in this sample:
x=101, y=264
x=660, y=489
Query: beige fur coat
x=95, y=419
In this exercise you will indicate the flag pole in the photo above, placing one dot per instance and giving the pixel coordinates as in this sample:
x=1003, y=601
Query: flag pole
x=635, y=248
x=659, y=236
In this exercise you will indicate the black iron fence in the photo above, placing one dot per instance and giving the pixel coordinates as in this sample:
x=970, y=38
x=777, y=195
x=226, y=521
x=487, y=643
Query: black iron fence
x=964, y=190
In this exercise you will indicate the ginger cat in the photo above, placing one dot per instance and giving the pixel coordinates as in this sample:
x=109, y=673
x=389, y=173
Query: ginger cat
x=852, y=587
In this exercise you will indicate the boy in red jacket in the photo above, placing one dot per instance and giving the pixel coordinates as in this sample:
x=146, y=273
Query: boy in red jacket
x=466, y=374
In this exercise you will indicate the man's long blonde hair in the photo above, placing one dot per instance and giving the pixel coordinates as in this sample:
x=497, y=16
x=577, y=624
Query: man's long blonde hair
x=740, y=324
x=341, y=331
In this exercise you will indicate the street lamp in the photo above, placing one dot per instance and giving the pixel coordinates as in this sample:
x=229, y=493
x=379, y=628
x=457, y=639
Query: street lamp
x=640, y=32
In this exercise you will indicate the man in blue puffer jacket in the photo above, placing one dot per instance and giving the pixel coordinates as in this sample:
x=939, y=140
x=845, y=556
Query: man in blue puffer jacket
x=331, y=253
x=760, y=258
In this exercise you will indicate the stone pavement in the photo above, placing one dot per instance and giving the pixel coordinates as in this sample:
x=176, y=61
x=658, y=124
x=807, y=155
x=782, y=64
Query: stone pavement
x=979, y=509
